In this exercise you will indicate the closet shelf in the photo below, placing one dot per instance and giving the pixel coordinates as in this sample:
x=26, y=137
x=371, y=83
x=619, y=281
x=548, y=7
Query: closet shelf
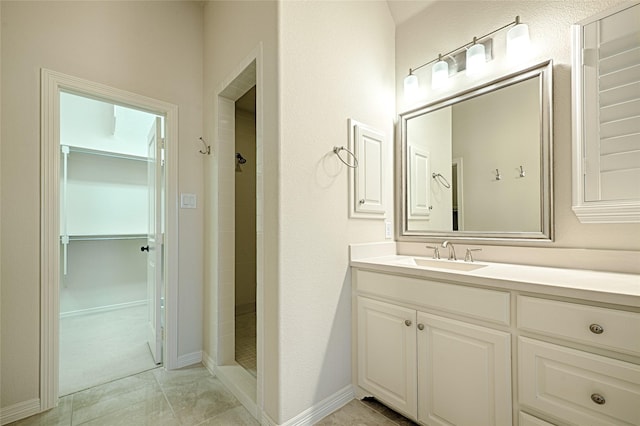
x=107, y=153
x=106, y=237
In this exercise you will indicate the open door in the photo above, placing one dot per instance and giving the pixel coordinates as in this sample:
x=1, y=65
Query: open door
x=154, y=241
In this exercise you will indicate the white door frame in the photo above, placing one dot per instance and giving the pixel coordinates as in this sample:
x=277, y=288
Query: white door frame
x=52, y=83
x=246, y=74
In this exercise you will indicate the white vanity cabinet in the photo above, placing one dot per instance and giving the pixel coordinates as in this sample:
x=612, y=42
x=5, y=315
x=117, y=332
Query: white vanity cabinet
x=578, y=386
x=474, y=349
x=434, y=369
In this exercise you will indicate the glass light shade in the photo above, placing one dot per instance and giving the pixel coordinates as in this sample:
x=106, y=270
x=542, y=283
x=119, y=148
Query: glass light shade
x=439, y=74
x=518, y=40
x=475, y=58
x=411, y=85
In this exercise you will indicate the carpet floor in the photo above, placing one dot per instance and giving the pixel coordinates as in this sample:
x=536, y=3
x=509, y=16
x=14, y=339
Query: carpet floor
x=101, y=347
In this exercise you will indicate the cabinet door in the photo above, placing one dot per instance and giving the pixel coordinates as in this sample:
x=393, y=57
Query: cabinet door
x=387, y=353
x=464, y=373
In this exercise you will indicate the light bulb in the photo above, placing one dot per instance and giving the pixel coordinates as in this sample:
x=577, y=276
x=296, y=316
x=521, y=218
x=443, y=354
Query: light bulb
x=439, y=73
x=518, y=40
x=411, y=84
x=475, y=58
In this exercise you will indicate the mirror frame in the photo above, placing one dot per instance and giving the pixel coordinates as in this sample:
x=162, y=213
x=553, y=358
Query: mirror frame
x=543, y=70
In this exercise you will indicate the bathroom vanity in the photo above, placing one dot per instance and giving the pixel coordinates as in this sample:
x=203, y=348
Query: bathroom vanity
x=476, y=343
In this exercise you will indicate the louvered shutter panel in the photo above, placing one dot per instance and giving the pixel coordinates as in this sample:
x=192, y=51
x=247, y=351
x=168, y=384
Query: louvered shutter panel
x=612, y=119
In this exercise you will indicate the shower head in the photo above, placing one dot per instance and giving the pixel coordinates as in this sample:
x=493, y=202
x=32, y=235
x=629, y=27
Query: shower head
x=240, y=158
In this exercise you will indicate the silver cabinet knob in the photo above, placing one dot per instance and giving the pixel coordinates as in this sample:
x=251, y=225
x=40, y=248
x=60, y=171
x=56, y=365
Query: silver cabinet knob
x=361, y=201
x=598, y=399
x=407, y=323
x=596, y=329
x=420, y=326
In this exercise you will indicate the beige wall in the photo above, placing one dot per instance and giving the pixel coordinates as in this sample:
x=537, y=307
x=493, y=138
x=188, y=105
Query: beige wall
x=149, y=48
x=233, y=30
x=448, y=24
x=337, y=61
x=245, y=213
x=492, y=132
x=432, y=133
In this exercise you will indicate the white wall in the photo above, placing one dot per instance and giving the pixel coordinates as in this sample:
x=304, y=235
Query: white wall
x=448, y=24
x=150, y=48
x=336, y=62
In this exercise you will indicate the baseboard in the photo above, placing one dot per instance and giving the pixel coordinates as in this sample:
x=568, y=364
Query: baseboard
x=318, y=411
x=189, y=359
x=308, y=417
x=19, y=411
x=102, y=309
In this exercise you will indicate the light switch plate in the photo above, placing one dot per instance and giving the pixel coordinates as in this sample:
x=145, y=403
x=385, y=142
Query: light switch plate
x=388, y=229
x=188, y=201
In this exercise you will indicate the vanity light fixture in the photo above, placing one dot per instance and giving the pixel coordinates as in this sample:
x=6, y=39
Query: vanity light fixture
x=518, y=39
x=411, y=84
x=470, y=56
x=475, y=58
x=439, y=73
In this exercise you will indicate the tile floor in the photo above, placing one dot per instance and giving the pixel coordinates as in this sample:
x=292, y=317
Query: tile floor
x=189, y=397
x=246, y=342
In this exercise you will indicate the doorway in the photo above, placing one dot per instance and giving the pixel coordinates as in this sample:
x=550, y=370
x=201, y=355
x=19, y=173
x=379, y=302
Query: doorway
x=109, y=181
x=59, y=250
x=245, y=384
x=245, y=231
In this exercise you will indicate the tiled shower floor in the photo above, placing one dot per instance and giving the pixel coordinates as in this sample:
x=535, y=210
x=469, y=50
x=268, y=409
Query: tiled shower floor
x=246, y=341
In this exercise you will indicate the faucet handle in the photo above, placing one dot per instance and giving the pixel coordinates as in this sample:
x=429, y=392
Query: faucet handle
x=436, y=251
x=468, y=257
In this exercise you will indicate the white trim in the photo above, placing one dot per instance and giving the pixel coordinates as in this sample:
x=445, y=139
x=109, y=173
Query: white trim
x=189, y=359
x=19, y=411
x=318, y=411
x=355, y=127
x=51, y=84
x=627, y=211
x=308, y=417
x=239, y=382
x=230, y=89
x=100, y=309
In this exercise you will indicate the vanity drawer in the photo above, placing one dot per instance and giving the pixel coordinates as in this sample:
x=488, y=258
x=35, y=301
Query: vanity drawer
x=525, y=419
x=484, y=304
x=601, y=327
x=578, y=387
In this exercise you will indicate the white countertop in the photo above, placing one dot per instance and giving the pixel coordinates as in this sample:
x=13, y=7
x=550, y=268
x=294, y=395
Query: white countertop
x=597, y=286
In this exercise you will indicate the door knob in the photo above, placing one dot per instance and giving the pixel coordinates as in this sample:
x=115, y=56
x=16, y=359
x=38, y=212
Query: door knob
x=145, y=248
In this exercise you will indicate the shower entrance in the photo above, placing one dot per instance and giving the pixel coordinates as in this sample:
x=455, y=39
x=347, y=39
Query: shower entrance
x=245, y=231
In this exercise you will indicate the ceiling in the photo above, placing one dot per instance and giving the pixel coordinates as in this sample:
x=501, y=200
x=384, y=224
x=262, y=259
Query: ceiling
x=401, y=10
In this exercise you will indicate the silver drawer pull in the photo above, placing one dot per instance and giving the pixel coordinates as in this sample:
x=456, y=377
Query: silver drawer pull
x=407, y=323
x=598, y=399
x=420, y=326
x=596, y=329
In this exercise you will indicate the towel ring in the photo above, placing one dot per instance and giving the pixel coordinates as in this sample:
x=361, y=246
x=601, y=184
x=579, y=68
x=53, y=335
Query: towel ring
x=441, y=179
x=336, y=151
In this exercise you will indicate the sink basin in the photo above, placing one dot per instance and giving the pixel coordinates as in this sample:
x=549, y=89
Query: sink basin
x=446, y=264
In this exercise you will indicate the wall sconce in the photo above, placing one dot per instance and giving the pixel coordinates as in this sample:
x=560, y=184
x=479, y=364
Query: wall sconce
x=470, y=56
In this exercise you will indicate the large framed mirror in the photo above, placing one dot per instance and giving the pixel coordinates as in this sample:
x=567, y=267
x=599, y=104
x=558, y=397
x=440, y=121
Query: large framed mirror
x=478, y=165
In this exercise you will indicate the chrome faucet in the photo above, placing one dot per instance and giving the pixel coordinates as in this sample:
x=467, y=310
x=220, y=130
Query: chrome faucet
x=452, y=250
